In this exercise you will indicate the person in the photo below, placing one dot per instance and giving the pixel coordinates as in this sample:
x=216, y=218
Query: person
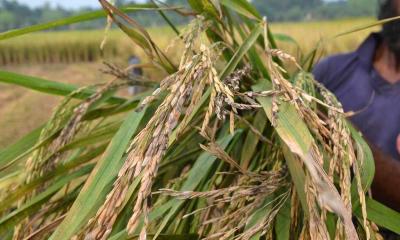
x=367, y=82
x=135, y=71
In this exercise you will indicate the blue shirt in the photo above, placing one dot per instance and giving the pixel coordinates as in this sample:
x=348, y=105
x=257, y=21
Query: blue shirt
x=136, y=70
x=359, y=87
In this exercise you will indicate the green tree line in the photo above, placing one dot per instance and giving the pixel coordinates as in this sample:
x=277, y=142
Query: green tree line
x=305, y=10
x=15, y=15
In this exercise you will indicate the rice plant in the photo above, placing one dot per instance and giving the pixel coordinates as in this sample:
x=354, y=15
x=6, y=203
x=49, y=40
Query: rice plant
x=228, y=145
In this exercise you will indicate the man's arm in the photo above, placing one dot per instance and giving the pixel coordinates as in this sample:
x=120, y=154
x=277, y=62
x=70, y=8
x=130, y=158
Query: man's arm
x=386, y=184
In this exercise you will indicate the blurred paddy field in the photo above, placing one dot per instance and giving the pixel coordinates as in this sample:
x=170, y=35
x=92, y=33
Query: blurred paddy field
x=75, y=57
x=73, y=46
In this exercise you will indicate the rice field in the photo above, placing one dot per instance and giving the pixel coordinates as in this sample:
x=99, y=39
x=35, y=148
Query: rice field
x=69, y=47
x=84, y=46
x=308, y=34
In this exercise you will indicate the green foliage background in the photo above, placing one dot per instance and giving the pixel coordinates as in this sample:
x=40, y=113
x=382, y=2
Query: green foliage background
x=16, y=15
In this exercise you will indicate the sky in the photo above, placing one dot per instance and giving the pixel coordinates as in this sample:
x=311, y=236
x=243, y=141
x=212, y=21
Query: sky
x=71, y=4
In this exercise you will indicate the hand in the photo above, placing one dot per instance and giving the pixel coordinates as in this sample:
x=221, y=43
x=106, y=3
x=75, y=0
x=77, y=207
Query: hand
x=387, y=170
x=398, y=143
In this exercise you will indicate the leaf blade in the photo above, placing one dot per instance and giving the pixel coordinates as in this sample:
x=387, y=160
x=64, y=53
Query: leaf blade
x=100, y=181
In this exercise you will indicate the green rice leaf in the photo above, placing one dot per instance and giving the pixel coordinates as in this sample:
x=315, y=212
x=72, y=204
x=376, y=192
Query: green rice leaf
x=196, y=5
x=153, y=215
x=242, y=50
x=47, y=86
x=204, y=6
x=14, y=217
x=365, y=160
x=259, y=215
x=99, y=135
x=284, y=38
x=242, y=7
x=293, y=129
x=20, y=147
x=282, y=223
x=298, y=176
x=100, y=181
x=59, y=171
x=381, y=215
x=252, y=139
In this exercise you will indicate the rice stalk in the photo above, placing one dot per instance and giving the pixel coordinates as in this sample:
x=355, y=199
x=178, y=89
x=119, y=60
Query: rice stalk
x=149, y=146
x=45, y=159
x=328, y=197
